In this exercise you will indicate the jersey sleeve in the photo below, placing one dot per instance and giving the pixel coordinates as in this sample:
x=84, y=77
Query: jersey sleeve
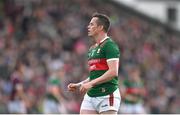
x=111, y=51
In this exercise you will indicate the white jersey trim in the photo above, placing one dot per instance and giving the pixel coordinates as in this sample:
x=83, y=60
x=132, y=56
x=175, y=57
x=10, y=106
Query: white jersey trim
x=102, y=40
x=113, y=59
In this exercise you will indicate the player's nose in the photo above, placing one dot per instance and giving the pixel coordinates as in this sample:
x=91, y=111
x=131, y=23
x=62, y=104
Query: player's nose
x=88, y=26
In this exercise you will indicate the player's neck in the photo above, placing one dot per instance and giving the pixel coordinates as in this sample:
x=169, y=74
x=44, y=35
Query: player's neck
x=100, y=37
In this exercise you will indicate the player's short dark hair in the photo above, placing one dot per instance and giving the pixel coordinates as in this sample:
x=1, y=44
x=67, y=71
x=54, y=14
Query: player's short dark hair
x=102, y=20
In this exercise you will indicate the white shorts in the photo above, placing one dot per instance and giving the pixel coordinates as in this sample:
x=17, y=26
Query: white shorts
x=102, y=103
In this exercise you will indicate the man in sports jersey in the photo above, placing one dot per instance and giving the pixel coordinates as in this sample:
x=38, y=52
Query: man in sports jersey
x=101, y=87
x=133, y=93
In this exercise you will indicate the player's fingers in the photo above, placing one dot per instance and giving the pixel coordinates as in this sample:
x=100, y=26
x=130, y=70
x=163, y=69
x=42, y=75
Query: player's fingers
x=82, y=89
x=69, y=86
x=71, y=89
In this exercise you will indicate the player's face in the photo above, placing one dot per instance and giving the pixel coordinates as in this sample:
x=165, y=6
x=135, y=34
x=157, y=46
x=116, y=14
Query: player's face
x=93, y=28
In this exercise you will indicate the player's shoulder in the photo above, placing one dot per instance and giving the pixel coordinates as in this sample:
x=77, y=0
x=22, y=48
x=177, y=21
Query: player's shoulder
x=110, y=42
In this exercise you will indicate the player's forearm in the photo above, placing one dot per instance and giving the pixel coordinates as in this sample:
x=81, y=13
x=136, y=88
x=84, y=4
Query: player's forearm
x=110, y=74
x=84, y=81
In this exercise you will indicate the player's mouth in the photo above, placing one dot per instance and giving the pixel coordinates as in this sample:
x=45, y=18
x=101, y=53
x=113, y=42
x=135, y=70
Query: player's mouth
x=88, y=31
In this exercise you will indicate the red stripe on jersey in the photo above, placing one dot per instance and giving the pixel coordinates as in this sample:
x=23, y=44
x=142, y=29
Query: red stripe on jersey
x=98, y=64
x=134, y=90
x=111, y=99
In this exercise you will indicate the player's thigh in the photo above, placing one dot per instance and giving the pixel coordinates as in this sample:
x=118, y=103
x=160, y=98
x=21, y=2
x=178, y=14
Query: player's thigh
x=87, y=106
x=107, y=106
x=112, y=112
x=109, y=103
x=83, y=111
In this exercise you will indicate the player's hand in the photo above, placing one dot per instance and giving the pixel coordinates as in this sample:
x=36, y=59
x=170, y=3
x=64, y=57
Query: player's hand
x=85, y=87
x=72, y=86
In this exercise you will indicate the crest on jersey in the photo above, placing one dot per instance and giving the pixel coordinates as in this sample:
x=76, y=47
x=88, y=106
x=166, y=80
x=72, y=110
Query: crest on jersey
x=103, y=90
x=98, y=51
x=92, y=53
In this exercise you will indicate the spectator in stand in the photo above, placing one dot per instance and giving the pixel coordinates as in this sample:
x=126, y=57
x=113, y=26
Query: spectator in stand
x=54, y=101
x=16, y=104
x=133, y=92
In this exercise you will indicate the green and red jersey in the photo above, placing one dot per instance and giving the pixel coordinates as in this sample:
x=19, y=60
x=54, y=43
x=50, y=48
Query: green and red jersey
x=132, y=90
x=98, y=56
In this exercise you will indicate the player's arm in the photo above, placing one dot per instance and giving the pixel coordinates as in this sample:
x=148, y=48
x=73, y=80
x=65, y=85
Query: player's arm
x=74, y=86
x=108, y=75
x=112, y=72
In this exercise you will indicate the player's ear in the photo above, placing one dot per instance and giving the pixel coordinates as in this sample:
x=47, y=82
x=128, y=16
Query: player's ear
x=101, y=27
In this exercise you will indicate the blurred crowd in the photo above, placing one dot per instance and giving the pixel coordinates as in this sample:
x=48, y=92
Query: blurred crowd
x=43, y=46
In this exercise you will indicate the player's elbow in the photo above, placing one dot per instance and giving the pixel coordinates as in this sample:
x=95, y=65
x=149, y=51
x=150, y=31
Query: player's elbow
x=114, y=72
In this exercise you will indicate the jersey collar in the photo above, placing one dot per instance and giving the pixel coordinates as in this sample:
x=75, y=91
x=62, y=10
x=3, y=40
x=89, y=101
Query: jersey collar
x=102, y=40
